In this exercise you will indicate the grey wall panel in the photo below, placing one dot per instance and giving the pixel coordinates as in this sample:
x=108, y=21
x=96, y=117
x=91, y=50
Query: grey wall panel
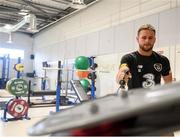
x=48, y=52
x=124, y=37
x=45, y=53
x=61, y=50
x=92, y=44
x=106, y=41
x=3, y=38
x=81, y=46
x=167, y=28
x=153, y=20
x=178, y=25
x=70, y=48
x=53, y=52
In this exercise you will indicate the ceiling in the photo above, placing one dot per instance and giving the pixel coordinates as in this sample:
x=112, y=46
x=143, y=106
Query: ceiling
x=47, y=12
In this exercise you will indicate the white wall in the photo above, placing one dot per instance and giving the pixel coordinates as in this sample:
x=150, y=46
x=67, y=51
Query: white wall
x=19, y=41
x=116, y=20
x=105, y=13
x=108, y=27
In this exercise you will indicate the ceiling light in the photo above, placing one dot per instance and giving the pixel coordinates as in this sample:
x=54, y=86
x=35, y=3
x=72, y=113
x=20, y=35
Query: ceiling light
x=78, y=4
x=23, y=12
x=78, y=1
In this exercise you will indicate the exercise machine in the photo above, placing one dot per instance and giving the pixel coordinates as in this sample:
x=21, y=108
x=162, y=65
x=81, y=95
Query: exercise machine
x=80, y=92
x=44, y=102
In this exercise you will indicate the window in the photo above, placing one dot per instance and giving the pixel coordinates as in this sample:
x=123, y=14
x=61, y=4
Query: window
x=13, y=53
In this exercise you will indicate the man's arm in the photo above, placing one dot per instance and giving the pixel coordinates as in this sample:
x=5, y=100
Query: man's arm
x=168, y=78
x=123, y=73
x=124, y=70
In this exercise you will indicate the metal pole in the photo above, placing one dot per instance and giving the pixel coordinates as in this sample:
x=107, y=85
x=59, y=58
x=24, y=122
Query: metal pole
x=8, y=65
x=58, y=89
x=3, y=67
x=18, y=72
x=67, y=82
x=93, y=80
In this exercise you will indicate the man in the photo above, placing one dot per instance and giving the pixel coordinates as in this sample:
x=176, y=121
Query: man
x=144, y=67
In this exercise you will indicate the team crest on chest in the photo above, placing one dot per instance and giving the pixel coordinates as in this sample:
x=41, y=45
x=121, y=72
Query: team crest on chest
x=139, y=67
x=158, y=67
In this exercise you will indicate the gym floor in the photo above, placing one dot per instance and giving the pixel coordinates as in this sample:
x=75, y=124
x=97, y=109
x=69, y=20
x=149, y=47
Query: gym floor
x=19, y=127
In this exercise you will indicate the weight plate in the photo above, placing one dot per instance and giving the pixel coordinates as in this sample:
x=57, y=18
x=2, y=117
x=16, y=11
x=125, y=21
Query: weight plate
x=19, y=67
x=8, y=84
x=17, y=87
x=15, y=67
x=17, y=108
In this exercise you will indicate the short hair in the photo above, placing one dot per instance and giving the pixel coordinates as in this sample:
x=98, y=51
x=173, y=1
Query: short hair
x=146, y=27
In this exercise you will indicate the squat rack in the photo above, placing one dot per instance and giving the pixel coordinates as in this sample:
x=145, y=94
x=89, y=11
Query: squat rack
x=5, y=70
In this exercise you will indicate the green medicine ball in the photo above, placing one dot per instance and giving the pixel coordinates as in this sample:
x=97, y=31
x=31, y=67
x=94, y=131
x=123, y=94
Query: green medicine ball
x=82, y=62
x=85, y=84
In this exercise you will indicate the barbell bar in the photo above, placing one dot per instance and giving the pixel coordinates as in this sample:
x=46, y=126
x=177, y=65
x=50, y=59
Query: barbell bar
x=67, y=69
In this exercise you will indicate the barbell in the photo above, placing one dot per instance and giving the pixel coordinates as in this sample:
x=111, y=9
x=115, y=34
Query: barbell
x=67, y=69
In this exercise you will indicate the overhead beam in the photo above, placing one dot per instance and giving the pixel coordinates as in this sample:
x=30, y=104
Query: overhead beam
x=57, y=9
x=5, y=21
x=10, y=9
x=30, y=4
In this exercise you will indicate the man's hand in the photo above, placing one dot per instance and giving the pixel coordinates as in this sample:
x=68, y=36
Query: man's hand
x=123, y=73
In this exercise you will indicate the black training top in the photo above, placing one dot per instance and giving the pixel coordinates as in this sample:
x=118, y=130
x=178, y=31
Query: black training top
x=146, y=71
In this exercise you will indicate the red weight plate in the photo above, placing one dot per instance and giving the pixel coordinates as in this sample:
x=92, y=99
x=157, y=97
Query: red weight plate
x=17, y=108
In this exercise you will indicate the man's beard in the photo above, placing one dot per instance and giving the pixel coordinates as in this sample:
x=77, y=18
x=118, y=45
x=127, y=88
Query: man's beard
x=146, y=49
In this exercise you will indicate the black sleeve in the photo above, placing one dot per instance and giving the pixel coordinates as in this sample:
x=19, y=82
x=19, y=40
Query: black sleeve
x=166, y=66
x=125, y=59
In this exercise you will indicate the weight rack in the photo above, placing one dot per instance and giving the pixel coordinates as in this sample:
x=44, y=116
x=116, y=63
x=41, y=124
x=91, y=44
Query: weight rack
x=17, y=106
